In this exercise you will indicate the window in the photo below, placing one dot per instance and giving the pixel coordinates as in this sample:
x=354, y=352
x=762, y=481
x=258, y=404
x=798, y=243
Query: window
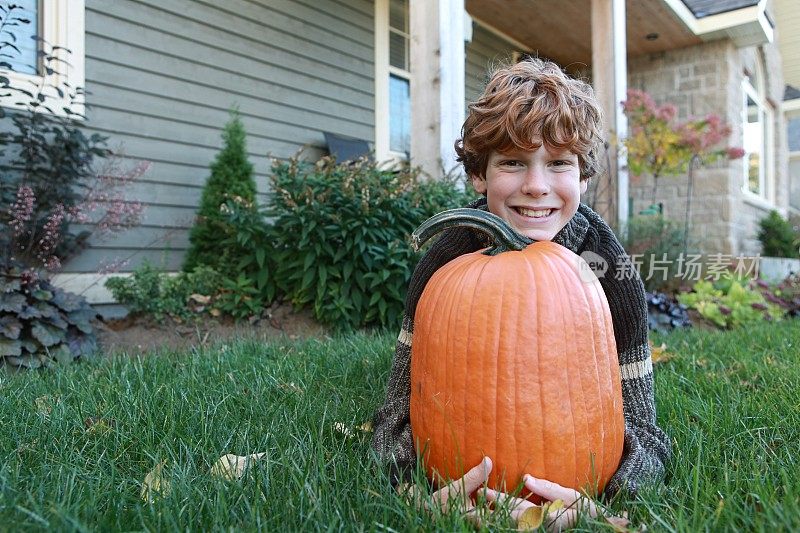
x=22, y=51
x=59, y=23
x=756, y=130
x=792, y=114
x=392, y=80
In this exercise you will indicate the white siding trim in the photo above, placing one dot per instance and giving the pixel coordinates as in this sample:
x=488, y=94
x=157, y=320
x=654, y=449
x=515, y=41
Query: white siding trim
x=636, y=370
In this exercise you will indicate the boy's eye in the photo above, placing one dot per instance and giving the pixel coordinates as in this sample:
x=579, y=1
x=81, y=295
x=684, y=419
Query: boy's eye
x=509, y=163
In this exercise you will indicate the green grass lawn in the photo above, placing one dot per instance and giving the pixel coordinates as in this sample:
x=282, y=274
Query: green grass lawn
x=76, y=444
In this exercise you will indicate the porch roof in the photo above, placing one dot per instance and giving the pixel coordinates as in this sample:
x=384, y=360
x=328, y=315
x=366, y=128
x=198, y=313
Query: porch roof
x=561, y=31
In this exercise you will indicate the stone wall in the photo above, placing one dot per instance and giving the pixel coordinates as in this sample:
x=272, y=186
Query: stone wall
x=700, y=80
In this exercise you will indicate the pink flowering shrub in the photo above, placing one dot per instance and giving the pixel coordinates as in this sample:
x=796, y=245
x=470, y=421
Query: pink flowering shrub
x=36, y=230
x=659, y=145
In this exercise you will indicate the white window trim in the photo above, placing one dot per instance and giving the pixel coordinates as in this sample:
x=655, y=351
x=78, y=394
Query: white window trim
x=382, y=72
x=62, y=24
x=766, y=185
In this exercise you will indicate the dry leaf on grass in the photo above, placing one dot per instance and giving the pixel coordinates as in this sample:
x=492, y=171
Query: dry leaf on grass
x=659, y=354
x=44, y=404
x=155, y=484
x=96, y=424
x=340, y=427
x=232, y=467
x=344, y=430
x=532, y=517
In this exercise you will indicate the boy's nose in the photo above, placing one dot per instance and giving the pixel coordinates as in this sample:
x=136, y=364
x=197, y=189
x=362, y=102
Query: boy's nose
x=536, y=183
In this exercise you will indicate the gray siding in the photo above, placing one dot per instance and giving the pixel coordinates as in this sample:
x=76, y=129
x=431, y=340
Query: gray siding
x=162, y=76
x=484, y=51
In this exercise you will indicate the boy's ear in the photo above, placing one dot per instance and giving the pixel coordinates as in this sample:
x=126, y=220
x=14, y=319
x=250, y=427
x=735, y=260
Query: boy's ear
x=478, y=183
x=584, y=185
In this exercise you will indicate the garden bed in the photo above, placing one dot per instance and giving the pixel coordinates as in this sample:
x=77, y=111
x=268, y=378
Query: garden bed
x=139, y=335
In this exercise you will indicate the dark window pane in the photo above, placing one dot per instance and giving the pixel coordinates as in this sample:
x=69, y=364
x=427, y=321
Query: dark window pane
x=25, y=60
x=398, y=15
x=397, y=51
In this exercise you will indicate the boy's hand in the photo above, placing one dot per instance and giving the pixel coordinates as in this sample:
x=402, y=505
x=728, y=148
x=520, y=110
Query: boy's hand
x=458, y=492
x=575, y=503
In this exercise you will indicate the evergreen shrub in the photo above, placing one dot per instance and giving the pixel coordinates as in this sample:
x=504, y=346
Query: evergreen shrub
x=231, y=177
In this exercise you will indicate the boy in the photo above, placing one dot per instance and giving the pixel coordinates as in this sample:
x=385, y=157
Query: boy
x=530, y=144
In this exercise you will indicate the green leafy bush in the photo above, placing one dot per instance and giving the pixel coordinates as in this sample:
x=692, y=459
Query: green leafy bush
x=231, y=177
x=778, y=237
x=148, y=291
x=41, y=324
x=655, y=242
x=334, y=237
x=730, y=302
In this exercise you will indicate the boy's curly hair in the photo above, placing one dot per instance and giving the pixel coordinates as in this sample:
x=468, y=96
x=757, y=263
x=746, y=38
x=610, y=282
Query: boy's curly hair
x=527, y=103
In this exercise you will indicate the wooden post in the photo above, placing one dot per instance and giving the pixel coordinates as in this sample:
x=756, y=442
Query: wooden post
x=609, y=77
x=437, y=82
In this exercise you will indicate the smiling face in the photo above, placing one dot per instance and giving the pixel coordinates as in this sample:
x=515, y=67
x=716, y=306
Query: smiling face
x=536, y=191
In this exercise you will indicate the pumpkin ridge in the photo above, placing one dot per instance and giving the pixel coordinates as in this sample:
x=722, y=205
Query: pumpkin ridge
x=446, y=426
x=595, y=373
x=571, y=353
x=494, y=372
x=427, y=425
x=553, y=267
x=470, y=335
x=595, y=449
x=456, y=362
x=612, y=381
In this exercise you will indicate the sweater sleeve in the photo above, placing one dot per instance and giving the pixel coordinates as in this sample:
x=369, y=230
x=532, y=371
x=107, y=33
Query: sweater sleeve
x=646, y=447
x=392, y=439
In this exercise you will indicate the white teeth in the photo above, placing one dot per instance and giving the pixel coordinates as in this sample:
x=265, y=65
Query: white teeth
x=535, y=213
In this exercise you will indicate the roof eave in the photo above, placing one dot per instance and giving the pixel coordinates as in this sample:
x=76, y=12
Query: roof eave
x=747, y=26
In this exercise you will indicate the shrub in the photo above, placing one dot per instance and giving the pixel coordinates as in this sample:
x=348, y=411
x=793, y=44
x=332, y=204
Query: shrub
x=231, y=177
x=654, y=242
x=334, y=237
x=777, y=236
x=41, y=324
x=148, y=291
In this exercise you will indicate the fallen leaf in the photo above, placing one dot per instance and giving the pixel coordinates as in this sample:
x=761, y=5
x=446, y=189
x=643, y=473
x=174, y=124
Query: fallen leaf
x=659, y=354
x=232, y=467
x=366, y=427
x=344, y=430
x=532, y=517
x=43, y=405
x=200, y=298
x=96, y=424
x=155, y=484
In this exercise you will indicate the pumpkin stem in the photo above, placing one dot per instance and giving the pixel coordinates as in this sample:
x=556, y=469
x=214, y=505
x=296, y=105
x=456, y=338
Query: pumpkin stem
x=504, y=236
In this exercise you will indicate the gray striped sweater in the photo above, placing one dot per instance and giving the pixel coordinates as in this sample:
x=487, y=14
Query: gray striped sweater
x=646, y=448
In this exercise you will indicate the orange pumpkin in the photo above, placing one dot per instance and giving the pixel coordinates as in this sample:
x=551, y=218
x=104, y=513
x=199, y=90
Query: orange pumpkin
x=514, y=358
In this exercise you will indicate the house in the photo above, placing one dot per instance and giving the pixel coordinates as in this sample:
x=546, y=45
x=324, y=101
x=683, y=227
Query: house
x=162, y=75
